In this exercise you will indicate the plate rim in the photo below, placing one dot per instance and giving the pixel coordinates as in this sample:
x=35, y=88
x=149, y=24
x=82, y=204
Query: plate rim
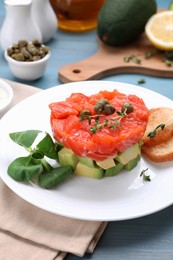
x=10, y=94
x=86, y=83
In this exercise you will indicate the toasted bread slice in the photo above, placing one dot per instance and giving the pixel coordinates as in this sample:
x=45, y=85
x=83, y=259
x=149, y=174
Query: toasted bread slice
x=158, y=116
x=162, y=152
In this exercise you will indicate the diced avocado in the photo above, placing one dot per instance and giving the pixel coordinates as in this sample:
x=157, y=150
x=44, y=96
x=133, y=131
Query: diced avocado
x=129, y=154
x=132, y=163
x=86, y=161
x=87, y=171
x=114, y=170
x=67, y=158
x=106, y=164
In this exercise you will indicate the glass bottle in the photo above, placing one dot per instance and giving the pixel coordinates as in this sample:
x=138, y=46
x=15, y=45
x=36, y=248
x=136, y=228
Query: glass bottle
x=77, y=15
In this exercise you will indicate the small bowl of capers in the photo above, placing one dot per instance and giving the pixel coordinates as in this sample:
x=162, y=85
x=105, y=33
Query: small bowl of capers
x=27, y=60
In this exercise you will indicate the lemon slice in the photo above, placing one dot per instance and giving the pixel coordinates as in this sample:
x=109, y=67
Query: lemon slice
x=159, y=30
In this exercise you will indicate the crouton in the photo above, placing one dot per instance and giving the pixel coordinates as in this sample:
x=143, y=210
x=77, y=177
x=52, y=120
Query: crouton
x=157, y=142
x=159, y=116
x=162, y=152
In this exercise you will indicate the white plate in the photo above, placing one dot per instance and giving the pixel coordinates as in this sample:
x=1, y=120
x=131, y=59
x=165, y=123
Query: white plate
x=122, y=197
x=6, y=95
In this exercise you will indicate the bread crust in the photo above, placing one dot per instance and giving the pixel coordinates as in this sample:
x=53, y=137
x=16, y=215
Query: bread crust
x=160, y=147
x=162, y=152
x=160, y=115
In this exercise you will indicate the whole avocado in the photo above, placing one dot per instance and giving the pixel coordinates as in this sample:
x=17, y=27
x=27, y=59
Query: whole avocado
x=122, y=21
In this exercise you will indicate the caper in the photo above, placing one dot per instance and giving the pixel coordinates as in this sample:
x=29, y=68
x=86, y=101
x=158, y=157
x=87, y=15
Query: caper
x=41, y=53
x=25, y=51
x=85, y=112
x=16, y=51
x=37, y=43
x=15, y=46
x=45, y=49
x=35, y=58
x=18, y=57
x=103, y=101
x=32, y=49
x=127, y=107
x=109, y=109
x=22, y=43
x=9, y=51
x=100, y=105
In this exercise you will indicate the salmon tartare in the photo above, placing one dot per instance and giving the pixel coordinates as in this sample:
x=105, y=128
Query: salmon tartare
x=82, y=124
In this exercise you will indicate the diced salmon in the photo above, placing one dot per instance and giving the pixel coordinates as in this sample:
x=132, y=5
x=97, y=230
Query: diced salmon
x=75, y=134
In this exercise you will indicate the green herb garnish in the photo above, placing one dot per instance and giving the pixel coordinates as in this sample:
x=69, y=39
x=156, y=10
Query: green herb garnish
x=128, y=58
x=35, y=166
x=151, y=53
x=133, y=58
x=145, y=177
x=168, y=63
x=105, y=107
x=167, y=56
x=141, y=81
x=154, y=132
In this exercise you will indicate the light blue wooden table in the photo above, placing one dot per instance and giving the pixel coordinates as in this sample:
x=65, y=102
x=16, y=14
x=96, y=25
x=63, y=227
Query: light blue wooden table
x=150, y=237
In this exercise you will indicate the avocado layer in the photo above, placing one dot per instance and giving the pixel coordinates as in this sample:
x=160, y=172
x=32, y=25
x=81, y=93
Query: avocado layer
x=67, y=157
x=85, y=166
x=114, y=170
x=87, y=171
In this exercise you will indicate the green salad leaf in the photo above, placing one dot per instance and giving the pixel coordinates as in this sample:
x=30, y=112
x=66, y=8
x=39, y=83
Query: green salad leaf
x=35, y=166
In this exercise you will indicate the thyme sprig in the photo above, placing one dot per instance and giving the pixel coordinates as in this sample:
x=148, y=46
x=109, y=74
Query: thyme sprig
x=111, y=123
x=144, y=175
x=154, y=132
x=85, y=114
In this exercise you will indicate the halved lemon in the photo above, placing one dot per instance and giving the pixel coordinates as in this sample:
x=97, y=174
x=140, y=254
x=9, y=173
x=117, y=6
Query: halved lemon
x=159, y=30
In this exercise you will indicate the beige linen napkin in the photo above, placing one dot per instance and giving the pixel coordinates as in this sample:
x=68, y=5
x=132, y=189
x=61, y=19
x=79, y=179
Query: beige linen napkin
x=27, y=232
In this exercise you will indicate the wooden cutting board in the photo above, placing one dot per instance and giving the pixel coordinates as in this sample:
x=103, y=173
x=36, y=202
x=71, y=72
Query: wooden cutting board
x=110, y=61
